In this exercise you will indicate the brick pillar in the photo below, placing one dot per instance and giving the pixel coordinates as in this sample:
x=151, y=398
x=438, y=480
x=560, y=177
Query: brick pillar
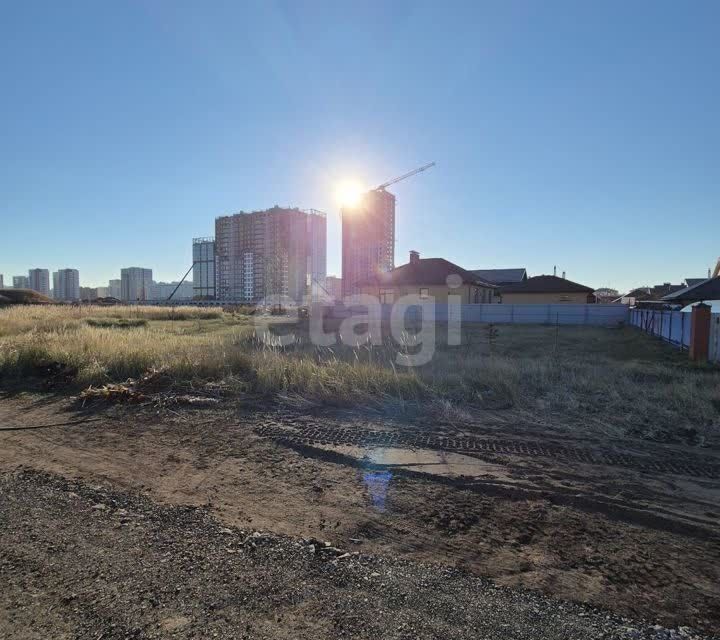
x=700, y=332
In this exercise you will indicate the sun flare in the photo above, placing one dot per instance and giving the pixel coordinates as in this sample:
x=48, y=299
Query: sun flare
x=349, y=193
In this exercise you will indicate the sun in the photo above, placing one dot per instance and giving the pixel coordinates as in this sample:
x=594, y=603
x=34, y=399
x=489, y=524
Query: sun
x=349, y=193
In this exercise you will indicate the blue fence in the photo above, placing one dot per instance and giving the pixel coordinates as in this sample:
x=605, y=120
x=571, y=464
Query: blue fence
x=671, y=326
x=566, y=314
x=674, y=327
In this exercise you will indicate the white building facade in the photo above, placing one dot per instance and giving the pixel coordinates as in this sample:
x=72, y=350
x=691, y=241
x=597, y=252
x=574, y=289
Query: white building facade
x=114, y=289
x=163, y=290
x=135, y=283
x=66, y=285
x=39, y=280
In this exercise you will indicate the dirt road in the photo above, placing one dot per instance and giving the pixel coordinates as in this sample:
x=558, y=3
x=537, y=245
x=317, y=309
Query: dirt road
x=79, y=562
x=600, y=526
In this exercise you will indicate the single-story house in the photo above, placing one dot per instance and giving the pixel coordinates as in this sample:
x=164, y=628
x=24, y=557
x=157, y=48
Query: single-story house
x=546, y=290
x=708, y=289
x=501, y=277
x=655, y=293
x=429, y=278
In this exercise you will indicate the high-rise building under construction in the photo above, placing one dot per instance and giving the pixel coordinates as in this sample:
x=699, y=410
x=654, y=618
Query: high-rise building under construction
x=368, y=239
x=203, y=268
x=279, y=251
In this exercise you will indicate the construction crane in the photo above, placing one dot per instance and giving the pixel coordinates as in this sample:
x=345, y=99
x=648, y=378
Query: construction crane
x=404, y=176
x=179, y=283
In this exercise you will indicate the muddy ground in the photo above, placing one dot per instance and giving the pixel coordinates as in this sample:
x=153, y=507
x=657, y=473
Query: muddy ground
x=629, y=527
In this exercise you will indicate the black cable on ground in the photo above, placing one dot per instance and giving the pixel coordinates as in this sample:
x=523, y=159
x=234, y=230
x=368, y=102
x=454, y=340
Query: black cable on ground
x=47, y=426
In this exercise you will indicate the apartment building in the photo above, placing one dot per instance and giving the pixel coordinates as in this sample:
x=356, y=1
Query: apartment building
x=39, y=280
x=21, y=282
x=163, y=290
x=88, y=294
x=368, y=239
x=114, y=289
x=203, y=268
x=279, y=251
x=135, y=284
x=333, y=287
x=66, y=285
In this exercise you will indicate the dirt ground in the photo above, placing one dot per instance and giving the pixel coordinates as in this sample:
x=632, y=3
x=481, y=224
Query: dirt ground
x=88, y=562
x=630, y=527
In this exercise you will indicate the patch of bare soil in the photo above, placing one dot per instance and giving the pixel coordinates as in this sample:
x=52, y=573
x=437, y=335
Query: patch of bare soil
x=641, y=543
x=84, y=562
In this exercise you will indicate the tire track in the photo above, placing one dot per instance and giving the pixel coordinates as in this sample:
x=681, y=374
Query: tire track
x=318, y=435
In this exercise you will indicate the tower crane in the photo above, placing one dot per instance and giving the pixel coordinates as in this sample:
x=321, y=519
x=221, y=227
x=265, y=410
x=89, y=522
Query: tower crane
x=404, y=176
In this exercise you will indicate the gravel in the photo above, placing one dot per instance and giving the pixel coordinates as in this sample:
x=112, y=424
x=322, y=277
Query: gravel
x=81, y=561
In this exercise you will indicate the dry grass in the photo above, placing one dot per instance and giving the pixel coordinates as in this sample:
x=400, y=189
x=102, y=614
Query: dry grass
x=612, y=380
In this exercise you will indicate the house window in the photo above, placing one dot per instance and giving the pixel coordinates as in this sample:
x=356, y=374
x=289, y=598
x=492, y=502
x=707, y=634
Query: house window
x=424, y=293
x=386, y=296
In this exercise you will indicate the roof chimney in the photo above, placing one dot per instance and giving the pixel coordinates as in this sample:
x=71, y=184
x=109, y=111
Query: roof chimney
x=414, y=257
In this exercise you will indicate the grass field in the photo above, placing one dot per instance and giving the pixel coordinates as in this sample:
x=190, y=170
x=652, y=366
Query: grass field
x=614, y=380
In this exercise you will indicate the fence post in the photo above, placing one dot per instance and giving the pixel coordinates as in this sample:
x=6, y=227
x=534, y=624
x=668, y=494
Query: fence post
x=700, y=333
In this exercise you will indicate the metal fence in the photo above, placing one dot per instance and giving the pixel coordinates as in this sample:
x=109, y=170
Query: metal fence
x=671, y=326
x=674, y=327
x=714, y=346
x=566, y=314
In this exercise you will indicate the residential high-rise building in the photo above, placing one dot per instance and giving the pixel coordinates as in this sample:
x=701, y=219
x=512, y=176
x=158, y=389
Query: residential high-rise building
x=114, y=289
x=88, y=294
x=368, y=239
x=204, y=268
x=66, y=285
x=333, y=288
x=317, y=253
x=39, y=280
x=2, y=281
x=101, y=292
x=163, y=291
x=135, y=284
x=274, y=252
x=21, y=282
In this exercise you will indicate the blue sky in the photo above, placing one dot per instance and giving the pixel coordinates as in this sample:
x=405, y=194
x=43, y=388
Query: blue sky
x=582, y=134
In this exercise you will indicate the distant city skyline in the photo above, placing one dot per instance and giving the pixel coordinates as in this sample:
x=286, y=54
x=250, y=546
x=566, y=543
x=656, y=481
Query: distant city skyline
x=582, y=135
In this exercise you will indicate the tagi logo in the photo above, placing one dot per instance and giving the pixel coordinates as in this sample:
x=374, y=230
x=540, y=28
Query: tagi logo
x=409, y=323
